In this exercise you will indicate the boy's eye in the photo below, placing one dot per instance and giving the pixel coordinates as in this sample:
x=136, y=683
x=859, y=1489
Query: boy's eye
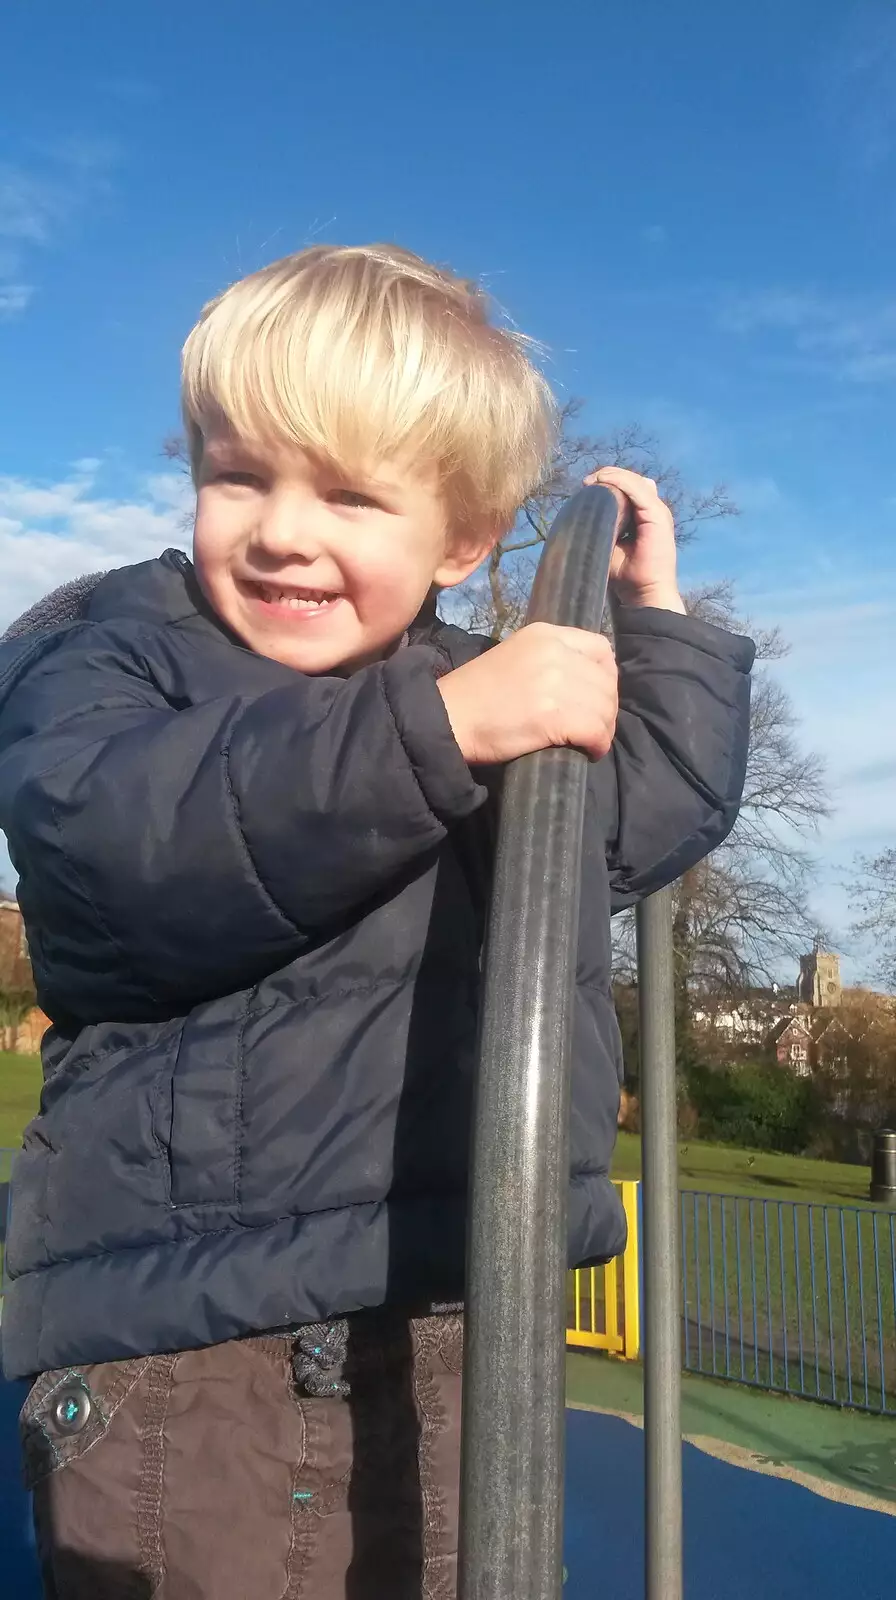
x=352, y=497
x=247, y=480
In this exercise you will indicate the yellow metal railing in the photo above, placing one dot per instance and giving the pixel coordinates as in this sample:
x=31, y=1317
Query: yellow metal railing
x=603, y=1304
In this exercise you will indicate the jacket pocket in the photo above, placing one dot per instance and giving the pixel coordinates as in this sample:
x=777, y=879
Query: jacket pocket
x=68, y=1411
x=198, y=1110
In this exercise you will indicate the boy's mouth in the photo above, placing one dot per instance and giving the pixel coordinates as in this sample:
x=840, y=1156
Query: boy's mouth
x=310, y=602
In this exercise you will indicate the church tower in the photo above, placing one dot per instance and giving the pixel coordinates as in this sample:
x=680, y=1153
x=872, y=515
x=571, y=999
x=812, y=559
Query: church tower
x=820, y=984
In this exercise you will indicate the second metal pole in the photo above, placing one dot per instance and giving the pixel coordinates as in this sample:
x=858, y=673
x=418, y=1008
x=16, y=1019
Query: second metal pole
x=662, y=1272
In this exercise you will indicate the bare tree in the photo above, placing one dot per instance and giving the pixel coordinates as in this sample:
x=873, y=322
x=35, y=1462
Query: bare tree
x=17, y=996
x=743, y=912
x=494, y=601
x=874, y=899
x=176, y=450
x=855, y=1070
x=750, y=901
x=15, y=1007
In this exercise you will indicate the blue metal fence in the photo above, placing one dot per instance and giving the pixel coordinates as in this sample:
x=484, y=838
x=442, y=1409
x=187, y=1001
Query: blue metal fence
x=792, y=1297
x=780, y=1295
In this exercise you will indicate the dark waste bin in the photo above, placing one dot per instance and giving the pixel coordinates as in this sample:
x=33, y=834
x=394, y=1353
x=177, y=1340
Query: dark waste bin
x=883, y=1167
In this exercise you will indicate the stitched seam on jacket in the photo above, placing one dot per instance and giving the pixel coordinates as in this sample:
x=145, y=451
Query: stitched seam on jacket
x=44, y=643
x=177, y=1025
x=238, y=1128
x=407, y=760
x=152, y=1469
x=163, y=1085
x=139, y=983
x=250, y=1228
x=243, y=843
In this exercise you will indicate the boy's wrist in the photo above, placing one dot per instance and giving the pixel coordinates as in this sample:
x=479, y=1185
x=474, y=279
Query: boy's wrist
x=657, y=597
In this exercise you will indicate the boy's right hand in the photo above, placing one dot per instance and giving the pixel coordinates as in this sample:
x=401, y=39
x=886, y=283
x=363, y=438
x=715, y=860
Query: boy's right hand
x=543, y=686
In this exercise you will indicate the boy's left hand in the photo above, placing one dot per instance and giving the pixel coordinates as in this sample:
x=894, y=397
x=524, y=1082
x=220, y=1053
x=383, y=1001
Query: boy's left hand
x=643, y=569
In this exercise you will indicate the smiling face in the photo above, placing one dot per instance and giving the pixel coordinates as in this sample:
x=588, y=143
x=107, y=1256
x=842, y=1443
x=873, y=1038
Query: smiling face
x=315, y=569
x=359, y=432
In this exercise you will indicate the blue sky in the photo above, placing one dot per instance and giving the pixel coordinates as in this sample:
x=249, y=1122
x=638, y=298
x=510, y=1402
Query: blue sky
x=693, y=207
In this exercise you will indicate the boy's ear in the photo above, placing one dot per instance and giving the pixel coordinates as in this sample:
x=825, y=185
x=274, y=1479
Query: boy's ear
x=466, y=548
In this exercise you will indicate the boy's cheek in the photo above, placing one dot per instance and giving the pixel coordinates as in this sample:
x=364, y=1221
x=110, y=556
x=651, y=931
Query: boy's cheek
x=213, y=546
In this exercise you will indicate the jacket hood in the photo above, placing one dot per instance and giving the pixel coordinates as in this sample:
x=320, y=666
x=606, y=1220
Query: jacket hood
x=158, y=591
x=146, y=590
x=68, y=603
x=150, y=591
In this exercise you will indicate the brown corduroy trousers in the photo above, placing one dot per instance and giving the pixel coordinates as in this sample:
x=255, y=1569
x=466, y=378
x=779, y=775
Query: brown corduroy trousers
x=319, y=1465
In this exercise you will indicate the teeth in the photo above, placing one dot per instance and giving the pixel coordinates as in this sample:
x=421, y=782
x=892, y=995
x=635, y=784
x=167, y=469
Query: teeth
x=311, y=600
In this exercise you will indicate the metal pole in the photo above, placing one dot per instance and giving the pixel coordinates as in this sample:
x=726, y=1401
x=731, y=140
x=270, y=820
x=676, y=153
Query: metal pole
x=883, y=1168
x=662, y=1272
x=514, y=1362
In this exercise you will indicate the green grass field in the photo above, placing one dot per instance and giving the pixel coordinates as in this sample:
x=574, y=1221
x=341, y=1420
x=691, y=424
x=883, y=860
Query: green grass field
x=718, y=1168
x=20, y=1080
x=723, y=1169
x=793, y=1298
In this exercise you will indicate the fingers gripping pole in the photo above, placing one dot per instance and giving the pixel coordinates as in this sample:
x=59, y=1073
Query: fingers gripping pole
x=514, y=1364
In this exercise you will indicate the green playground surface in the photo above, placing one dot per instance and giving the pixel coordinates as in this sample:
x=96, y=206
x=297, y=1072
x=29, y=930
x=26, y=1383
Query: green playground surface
x=845, y=1455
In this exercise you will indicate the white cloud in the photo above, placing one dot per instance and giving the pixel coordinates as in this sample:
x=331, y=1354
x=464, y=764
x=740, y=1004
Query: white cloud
x=833, y=598
x=21, y=499
x=857, y=66
x=169, y=489
x=757, y=494
x=28, y=206
x=37, y=203
x=841, y=676
x=15, y=298
x=852, y=338
x=50, y=532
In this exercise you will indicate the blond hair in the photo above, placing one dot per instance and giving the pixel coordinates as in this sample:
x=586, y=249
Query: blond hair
x=368, y=353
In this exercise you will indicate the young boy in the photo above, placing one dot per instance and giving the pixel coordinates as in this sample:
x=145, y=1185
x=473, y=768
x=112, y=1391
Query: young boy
x=248, y=798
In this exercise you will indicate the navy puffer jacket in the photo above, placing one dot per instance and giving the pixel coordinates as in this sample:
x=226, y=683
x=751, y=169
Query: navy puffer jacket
x=255, y=905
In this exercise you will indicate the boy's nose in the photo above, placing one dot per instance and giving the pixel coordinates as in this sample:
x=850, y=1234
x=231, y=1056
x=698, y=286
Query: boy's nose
x=290, y=527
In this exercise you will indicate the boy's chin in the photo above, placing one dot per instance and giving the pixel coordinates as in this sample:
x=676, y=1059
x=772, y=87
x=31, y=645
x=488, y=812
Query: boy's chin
x=322, y=659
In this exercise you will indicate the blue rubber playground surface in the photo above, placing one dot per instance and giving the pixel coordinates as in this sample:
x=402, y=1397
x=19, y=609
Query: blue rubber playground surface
x=747, y=1536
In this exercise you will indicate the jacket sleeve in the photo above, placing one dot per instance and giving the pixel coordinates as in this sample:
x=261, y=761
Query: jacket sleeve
x=669, y=791
x=195, y=849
